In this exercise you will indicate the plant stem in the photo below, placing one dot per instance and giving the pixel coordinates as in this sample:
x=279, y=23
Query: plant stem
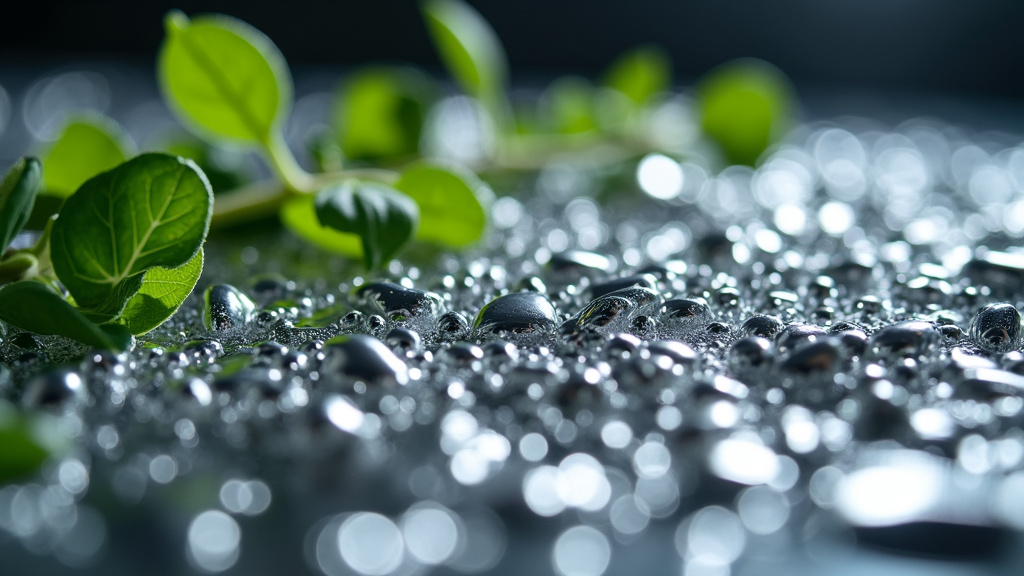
x=262, y=199
x=284, y=164
x=248, y=203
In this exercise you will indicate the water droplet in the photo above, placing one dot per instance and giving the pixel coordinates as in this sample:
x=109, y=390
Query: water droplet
x=398, y=302
x=614, y=312
x=364, y=357
x=822, y=357
x=452, y=326
x=640, y=280
x=54, y=388
x=686, y=313
x=522, y=312
x=226, y=308
x=763, y=326
x=997, y=328
x=749, y=356
x=914, y=338
x=572, y=265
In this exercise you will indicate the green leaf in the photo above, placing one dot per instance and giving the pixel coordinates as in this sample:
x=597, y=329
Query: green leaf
x=379, y=113
x=152, y=211
x=450, y=201
x=569, y=106
x=87, y=146
x=470, y=50
x=745, y=106
x=224, y=78
x=640, y=74
x=18, y=192
x=384, y=219
x=162, y=292
x=21, y=453
x=298, y=214
x=37, y=308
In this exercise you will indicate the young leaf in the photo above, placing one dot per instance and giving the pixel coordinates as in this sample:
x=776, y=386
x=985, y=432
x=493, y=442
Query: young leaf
x=449, y=200
x=640, y=74
x=152, y=211
x=87, y=146
x=298, y=214
x=470, y=50
x=162, y=292
x=744, y=106
x=224, y=78
x=380, y=112
x=36, y=307
x=384, y=219
x=17, y=196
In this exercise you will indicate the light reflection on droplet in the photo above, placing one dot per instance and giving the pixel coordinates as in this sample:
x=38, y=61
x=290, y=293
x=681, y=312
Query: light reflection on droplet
x=616, y=434
x=887, y=495
x=660, y=176
x=652, y=460
x=629, y=515
x=249, y=497
x=371, y=544
x=790, y=219
x=762, y=510
x=713, y=536
x=540, y=490
x=163, y=469
x=836, y=218
x=743, y=461
x=73, y=476
x=533, y=447
x=431, y=532
x=213, y=541
x=581, y=551
x=661, y=495
x=581, y=482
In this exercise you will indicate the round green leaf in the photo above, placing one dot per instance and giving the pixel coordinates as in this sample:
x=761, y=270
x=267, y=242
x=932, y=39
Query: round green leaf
x=450, y=201
x=18, y=192
x=298, y=214
x=35, y=307
x=162, y=292
x=379, y=112
x=384, y=219
x=745, y=105
x=569, y=106
x=224, y=78
x=640, y=74
x=152, y=211
x=87, y=146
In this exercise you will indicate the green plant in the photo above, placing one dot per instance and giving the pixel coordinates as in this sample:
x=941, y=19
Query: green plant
x=229, y=84
x=743, y=106
x=119, y=258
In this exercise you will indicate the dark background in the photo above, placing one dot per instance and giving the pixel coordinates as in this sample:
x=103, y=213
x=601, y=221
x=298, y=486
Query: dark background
x=962, y=46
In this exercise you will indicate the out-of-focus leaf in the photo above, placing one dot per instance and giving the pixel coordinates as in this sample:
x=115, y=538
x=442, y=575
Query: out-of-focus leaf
x=379, y=112
x=745, y=106
x=640, y=74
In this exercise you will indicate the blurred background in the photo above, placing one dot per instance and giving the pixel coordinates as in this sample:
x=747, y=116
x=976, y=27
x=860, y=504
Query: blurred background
x=869, y=57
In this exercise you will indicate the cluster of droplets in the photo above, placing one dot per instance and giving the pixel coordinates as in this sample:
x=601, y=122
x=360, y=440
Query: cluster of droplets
x=825, y=347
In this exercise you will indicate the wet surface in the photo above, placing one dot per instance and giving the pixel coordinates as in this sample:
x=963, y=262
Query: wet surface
x=805, y=367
